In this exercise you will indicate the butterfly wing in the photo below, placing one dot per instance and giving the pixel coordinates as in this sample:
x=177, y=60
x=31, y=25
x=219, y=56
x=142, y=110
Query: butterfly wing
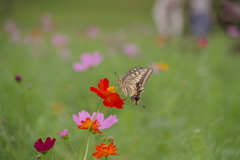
x=132, y=77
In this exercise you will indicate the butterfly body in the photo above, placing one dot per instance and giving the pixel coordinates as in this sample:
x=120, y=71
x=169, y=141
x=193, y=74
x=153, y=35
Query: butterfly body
x=133, y=82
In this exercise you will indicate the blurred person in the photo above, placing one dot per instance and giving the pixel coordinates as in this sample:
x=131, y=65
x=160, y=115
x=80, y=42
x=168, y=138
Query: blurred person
x=168, y=18
x=200, y=17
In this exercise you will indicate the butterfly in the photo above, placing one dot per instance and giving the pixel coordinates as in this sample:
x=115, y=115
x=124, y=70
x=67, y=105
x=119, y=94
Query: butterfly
x=133, y=82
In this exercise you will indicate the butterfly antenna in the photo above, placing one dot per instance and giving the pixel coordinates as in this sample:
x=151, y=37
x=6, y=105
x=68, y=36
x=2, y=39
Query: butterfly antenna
x=143, y=105
x=116, y=75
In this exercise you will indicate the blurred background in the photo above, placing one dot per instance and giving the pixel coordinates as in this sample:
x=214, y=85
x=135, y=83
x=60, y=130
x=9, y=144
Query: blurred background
x=51, y=52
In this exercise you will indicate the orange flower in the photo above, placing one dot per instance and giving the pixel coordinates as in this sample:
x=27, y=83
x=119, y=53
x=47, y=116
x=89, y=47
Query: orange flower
x=87, y=123
x=111, y=98
x=105, y=150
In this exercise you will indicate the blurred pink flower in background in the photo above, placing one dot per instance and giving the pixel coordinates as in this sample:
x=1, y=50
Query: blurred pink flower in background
x=93, y=32
x=47, y=24
x=60, y=40
x=13, y=30
x=64, y=53
x=233, y=31
x=202, y=42
x=64, y=134
x=130, y=49
x=88, y=60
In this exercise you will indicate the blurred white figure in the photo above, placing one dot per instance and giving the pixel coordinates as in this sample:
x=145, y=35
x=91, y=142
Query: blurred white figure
x=168, y=17
x=200, y=17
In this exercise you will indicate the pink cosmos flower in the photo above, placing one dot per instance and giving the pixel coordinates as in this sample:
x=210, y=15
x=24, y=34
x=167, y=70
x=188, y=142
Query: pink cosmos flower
x=88, y=60
x=47, y=24
x=83, y=119
x=13, y=30
x=43, y=147
x=93, y=32
x=130, y=49
x=233, y=31
x=60, y=40
x=64, y=134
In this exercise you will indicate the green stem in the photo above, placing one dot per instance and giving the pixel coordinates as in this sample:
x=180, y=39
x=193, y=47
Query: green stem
x=87, y=136
x=52, y=152
x=72, y=149
x=106, y=157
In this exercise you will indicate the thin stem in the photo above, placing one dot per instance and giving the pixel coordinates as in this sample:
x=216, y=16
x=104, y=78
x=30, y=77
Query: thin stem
x=87, y=136
x=52, y=152
x=72, y=149
x=106, y=157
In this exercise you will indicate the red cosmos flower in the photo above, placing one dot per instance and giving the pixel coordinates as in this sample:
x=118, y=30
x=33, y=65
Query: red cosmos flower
x=44, y=147
x=105, y=150
x=111, y=98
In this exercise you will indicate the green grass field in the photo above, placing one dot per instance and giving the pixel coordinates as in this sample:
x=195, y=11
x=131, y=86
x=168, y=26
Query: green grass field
x=192, y=110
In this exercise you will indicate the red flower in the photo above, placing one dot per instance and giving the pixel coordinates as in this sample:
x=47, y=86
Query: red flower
x=44, y=147
x=105, y=150
x=111, y=98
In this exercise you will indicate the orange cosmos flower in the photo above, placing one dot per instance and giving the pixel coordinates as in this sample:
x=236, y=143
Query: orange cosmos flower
x=111, y=98
x=105, y=150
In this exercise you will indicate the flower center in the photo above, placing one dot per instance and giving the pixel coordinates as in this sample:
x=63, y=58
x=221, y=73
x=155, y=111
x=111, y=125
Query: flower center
x=111, y=89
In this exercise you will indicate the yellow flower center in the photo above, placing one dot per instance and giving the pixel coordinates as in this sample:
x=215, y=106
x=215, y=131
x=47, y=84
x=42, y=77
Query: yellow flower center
x=111, y=89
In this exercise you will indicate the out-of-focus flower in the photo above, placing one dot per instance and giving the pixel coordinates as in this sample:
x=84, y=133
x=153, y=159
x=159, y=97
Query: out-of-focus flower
x=108, y=139
x=233, y=31
x=84, y=121
x=18, y=78
x=13, y=30
x=93, y=32
x=160, y=66
x=60, y=40
x=88, y=60
x=64, y=134
x=47, y=24
x=105, y=150
x=161, y=41
x=203, y=42
x=57, y=107
x=111, y=98
x=43, y=147
x=130, y=49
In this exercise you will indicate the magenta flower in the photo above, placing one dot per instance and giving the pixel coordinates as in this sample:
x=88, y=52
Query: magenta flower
x=87, y=61
x=93, y=32
x=83, y=119
x=130, y=49
x=18, y=78
x=233, y=31
x=43, y=147
x=203, y=42
x=64, y=134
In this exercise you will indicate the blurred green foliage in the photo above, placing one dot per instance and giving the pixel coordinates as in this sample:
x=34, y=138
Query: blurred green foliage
x=192, y=111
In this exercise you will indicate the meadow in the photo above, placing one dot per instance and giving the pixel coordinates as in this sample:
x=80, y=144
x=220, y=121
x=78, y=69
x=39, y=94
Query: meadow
x=192, y=109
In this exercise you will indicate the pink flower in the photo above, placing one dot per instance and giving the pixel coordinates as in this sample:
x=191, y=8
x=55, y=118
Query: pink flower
x=64, y=134
x=13, y=30
x=130, y=49
x=101, y=124
x=88, y=60
x=233, y=31
x=93, y=32
x=46, y=20
x=60, y=40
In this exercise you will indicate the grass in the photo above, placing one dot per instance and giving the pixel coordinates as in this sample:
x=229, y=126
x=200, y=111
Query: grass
x=192, y=110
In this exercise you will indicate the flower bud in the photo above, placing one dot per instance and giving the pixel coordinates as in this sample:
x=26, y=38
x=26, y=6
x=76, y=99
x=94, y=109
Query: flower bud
x=64, y=134
x=18, y=78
